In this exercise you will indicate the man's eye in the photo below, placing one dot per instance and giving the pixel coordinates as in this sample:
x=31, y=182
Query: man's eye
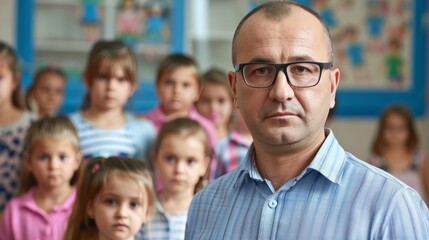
x=261, y=71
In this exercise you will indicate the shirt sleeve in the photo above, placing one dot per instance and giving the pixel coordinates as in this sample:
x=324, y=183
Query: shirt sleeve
x=6, y=224
x=407, y=217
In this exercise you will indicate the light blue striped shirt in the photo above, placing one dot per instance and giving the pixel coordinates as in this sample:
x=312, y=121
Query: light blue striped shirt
x=163, y=226
x=336, y=197
x=134, y=139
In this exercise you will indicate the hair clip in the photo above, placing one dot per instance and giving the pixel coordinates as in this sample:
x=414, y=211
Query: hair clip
x=95, y=168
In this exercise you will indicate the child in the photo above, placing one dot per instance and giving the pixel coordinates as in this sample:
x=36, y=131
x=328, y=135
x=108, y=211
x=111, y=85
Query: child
x=104, y=128
x=14, y=122
x=181, y=157
x=114, y=198
x=396, y=149
x=45, y=96
x=216, y=104
x=178, y=88
x=52, y=158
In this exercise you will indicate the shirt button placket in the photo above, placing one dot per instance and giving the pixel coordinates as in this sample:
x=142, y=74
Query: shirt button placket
x=272, y=203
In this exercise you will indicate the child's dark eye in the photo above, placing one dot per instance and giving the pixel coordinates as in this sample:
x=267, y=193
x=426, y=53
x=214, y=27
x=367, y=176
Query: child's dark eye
x=122, y=79
x=169, y=82
x=135, y=205
x=63, y=157
x=170, y=158
x=191, y=161
x=43, y=157
x=102, y=77
x=110, y=201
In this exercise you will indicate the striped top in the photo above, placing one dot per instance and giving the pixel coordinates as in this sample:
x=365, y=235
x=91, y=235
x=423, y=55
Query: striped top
x=134, y=139
x=162, y=226
x=230, y=151
x=336, y=197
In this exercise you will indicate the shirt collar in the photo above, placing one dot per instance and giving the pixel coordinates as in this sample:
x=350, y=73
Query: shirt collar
x=328, y=161
x=30, y=203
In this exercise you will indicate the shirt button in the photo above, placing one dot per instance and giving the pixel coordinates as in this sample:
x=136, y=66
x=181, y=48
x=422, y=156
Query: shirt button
x=272, y=204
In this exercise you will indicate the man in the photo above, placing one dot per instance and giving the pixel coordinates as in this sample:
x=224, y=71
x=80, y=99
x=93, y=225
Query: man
x=297, y=182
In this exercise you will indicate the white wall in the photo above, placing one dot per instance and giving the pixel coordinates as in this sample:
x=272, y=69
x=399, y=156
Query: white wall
x=7, y=17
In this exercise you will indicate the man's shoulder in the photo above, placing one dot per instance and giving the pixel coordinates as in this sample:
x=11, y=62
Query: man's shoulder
x=376, y=175
x=221, y=186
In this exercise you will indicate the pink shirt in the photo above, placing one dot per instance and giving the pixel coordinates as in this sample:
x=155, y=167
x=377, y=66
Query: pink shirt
x=23, y=219
x=158, y=118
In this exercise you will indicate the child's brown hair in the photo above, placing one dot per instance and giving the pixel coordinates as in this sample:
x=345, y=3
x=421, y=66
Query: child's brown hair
x=109, y=52
x=402, y=111
x=174, y=61
x=8, y=53
x=186, y=127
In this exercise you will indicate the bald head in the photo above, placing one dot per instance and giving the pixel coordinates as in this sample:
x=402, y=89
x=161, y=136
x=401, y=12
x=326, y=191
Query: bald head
x=276, y=11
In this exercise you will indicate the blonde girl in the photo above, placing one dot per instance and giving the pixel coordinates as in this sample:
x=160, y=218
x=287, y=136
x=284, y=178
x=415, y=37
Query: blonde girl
x=46, y=94
x=396, y=149
x=14, y=122
x=52, y=159
x=114, y=198
x=104, y=128
x=181, y=157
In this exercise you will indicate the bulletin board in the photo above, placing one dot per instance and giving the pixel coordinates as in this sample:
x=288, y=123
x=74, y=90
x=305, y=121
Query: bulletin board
x=380, y=47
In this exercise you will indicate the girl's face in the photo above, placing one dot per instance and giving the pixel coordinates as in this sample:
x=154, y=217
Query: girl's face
x=49, y=93
x=181, y=161
x=53, y=162
x=215, y=103
x=7, y=83
x=120, y=208
x=395, y=131
x=178, y=90
x=110, y=89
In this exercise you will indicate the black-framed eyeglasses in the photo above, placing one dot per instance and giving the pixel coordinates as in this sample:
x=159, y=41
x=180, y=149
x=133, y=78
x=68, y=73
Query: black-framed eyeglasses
x=298, y=74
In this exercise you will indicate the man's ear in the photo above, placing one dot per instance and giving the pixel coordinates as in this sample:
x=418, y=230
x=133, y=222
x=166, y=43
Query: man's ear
x=335, y=81
x=232, y=84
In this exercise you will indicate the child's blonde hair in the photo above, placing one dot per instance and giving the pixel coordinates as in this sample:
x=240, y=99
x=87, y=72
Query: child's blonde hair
x=174, y=61
x=95, y=175
x=9, y=54
x=110, y=52
x=47, y=127
x=186, y=127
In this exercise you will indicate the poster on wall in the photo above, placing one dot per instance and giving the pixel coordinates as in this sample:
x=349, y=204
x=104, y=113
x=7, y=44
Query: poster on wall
x=380, y=48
